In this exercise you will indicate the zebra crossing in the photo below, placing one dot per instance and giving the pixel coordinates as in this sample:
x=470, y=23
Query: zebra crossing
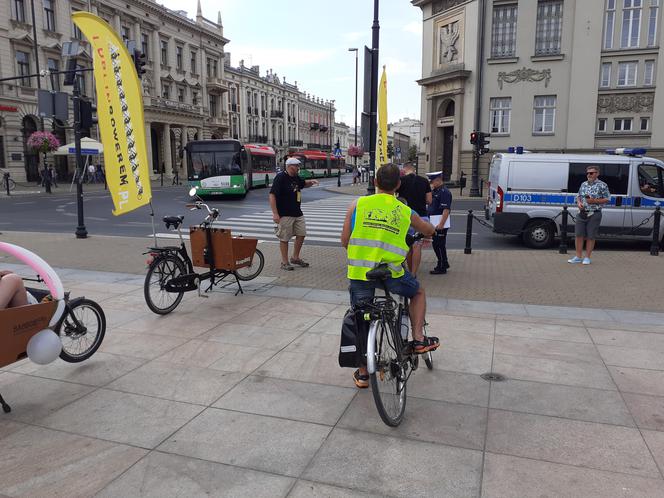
x=324, y=218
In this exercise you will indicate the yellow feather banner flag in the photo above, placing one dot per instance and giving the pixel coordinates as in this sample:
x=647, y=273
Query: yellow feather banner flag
x=381, y=142
x=120, y=114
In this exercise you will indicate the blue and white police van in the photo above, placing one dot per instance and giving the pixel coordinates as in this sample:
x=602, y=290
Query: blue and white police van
x=528, y=191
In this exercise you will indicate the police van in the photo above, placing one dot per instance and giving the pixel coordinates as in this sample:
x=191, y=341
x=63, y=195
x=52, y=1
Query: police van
x=528, y=191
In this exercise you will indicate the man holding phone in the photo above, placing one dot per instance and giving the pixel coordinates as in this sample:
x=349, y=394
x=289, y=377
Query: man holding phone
x=593, y=194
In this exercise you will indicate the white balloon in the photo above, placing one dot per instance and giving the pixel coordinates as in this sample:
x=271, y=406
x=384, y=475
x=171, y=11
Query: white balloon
x=44, y=347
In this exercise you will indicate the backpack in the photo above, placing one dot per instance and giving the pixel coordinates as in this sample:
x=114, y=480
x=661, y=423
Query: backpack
x=354, y=334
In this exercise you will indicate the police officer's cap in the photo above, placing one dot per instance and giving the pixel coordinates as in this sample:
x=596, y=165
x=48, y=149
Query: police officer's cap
x=434, y=174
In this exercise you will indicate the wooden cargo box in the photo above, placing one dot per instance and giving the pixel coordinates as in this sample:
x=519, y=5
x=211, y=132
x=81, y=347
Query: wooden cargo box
x=230, y=253
x=18, y=325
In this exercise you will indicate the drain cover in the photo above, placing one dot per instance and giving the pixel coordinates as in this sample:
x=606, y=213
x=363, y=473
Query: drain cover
x=493, y=377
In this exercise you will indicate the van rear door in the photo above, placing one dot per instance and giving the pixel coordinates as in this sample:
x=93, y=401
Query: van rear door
x=647, y=192
x=494, y=182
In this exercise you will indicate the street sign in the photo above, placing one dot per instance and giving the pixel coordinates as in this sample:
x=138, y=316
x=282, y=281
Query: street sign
x=337, y=152
x=397, y=149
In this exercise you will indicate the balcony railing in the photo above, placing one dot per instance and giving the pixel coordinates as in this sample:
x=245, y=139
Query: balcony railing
x=216, y=84
x=264, y=113
x=296, y=143
x=276, y=114
x=173, y=104
x=313, y=146
x=323, y=129
x=314, y=126
x=249, y=109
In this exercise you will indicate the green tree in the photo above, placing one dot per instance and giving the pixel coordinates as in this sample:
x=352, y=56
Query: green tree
x=412, y=152
x=390, y=150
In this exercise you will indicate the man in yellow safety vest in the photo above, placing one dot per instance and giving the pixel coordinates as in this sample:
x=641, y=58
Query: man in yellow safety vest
x=375, y=232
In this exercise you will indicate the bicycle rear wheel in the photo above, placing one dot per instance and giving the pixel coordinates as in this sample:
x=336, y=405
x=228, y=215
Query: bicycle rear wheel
x=11, y=183
x=253, y=270
x=388, y=382
x=161, y=271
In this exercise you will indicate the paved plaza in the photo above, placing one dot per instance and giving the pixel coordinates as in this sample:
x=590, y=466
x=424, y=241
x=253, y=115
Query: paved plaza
x=242, y=396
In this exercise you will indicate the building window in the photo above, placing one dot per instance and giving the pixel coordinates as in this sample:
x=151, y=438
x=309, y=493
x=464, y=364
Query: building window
x=194, y=97
x=631, y=24
x=503, y=31
x=215, y=67
x=627, y=73
x=605, y=76
x=165, y=91
x=645, y=124
x=19, y=10
x=23, y=66
x=609, y=23
x=178, y=57
x=213, y=105
x=145, y=46
x=49, y=15
x=500, y=110
x=181, y=94
x=549, y=27
x=193, y=62
x=544, y=114
x=601, y=124
x=652, y=23
x=649, y=73
x=124, y=31
x=622, y=124
x=80, y=77
x=76, y=33
x=54, y=66
x=164, y=52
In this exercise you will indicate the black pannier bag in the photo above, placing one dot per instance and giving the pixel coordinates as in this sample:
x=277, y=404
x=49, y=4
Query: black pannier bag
x=354, y=333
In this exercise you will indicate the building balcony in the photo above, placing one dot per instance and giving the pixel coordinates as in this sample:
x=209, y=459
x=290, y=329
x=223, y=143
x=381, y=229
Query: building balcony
x=261, y=139
x=174, y=105
x=323, y=129
x=264, y=113
x=255, y=111
x=296, y=143
x=314, y=126
x=276, y=114
x=249, y=109
x=216, y=85
x=220, y=119
x=313, y=146
x=325, y=148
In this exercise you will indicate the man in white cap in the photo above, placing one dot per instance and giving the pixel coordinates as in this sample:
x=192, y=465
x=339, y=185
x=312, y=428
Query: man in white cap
x=439, y=213
x=285, y=200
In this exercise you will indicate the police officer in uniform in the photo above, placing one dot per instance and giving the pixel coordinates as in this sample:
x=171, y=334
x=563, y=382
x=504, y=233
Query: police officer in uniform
x=439, y=214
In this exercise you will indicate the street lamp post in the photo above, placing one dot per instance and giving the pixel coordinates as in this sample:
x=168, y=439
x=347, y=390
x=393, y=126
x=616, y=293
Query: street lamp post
x=373, y=125
x=356, y=53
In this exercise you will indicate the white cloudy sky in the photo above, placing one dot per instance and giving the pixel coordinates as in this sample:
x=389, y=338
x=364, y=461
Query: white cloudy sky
x=307, y=41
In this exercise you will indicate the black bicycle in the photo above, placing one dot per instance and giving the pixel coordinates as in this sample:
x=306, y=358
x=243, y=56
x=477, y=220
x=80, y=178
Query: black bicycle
x=7, y=183
x=390, y=357
x=171, y=271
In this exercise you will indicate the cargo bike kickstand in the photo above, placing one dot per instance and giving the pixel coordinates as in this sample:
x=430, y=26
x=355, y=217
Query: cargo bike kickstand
x=171, y=270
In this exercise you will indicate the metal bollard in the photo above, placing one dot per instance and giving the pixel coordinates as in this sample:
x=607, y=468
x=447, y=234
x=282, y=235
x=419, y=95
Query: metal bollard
x=5, y=176
x=339, y=178
x=469, y=232
x=563, y=233
x=161, y=176
x=481, y=187
x=654, y=247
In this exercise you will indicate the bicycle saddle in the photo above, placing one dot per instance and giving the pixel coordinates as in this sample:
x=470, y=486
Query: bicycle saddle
x=175, y=221
x=381, y=272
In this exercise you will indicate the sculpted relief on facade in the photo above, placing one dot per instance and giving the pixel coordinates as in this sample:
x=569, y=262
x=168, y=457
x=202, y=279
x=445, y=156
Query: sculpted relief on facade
x=442, y=5
x=524, y=74
x=449, y=36
x=630, y=102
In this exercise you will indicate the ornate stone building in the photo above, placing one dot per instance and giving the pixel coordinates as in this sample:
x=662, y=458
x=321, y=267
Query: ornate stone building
x=184, y=88
x=557, y=76
x=316, y=122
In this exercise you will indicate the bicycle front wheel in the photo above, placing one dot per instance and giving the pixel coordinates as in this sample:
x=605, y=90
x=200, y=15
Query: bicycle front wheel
x=161, y=271
x=82, y=330
x=11, y=183
x=388, y=382
x=253, y=270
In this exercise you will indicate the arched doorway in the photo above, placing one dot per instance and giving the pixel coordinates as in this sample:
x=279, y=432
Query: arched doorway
x=60, y=162
x=154, y=142
x=31, y=158
x=445, y=138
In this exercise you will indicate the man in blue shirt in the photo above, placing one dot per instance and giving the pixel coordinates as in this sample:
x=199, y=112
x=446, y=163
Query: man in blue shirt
x=439, y=212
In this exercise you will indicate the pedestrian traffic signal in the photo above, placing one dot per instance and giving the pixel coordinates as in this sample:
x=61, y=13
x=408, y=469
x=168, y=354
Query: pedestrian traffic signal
x=473, y=138
x=88, y=115
x=140, y=60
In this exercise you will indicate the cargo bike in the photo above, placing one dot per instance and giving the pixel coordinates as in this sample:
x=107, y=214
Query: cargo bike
x=171, y=271
x=79, y=322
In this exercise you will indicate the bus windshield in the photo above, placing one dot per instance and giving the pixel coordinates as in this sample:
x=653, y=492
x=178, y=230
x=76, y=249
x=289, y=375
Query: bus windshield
x=213, y=159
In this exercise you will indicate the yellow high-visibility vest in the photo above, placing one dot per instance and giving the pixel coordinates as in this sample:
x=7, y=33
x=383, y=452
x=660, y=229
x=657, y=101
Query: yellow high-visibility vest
x=379, y=236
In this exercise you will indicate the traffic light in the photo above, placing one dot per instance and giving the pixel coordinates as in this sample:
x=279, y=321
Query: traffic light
x=473, y=138
x=140, y=60
x=482, y=143
x=88, y=114
x=70, y=75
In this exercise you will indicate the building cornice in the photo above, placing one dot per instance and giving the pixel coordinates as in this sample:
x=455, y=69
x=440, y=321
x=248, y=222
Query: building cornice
x=454, y=74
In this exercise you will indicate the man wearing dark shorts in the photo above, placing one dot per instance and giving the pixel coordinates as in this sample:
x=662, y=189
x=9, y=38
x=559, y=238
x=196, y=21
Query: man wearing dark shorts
x=593, y=194
x=285, y=201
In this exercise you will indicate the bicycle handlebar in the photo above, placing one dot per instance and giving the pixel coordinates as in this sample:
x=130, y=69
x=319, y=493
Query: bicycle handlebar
x=213, y=213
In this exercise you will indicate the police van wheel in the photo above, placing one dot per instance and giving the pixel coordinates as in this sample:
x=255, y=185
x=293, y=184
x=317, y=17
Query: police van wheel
x=539, y=234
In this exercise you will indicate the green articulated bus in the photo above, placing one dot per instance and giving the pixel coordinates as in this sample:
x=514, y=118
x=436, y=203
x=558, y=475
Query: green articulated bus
x=226, y=167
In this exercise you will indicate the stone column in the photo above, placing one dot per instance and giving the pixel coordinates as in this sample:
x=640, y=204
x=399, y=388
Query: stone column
x=137, y=35
x=166, y=138
x=156, y=63
x=148, y=144
x=116, y=23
